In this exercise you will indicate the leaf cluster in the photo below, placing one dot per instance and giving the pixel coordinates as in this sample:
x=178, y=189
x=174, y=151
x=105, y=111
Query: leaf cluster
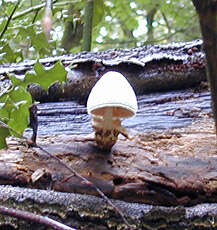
x=16, y=101
x=121, y=24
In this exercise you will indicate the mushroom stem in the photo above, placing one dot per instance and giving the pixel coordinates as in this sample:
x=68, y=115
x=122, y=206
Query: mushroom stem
x=108, y=118
x=106, y=129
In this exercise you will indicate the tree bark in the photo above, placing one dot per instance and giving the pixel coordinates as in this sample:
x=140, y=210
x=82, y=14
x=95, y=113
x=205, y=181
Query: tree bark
x=150, y=20
x=207, y=12
x=72, y=31
x=88, y=23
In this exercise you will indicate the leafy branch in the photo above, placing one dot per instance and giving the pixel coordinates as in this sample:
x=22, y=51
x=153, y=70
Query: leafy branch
x=16, y=101
x=9, y=19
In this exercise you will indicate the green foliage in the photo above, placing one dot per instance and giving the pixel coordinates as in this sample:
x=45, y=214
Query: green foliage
x=36, y=38
x=4, y=132
x=119, y=24
x=99, y=12
x=8, y=55
x=14, y=111
x=15, y=103
x=42, y=76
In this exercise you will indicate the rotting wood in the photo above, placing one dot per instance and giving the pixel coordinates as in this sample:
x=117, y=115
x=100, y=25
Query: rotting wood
x=170, y=109
x=169, y=168
x=148, y=68
x=90, y=212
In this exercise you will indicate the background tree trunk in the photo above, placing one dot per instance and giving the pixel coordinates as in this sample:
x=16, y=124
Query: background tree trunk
x=72, y=30
x=150, y=20
x=207, y=12
x=88, y=21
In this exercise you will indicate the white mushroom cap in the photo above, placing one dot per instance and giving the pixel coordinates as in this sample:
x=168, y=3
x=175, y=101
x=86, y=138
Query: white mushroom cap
x=114, y=91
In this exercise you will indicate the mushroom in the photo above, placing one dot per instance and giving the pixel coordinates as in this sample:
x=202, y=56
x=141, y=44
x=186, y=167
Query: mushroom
x=111, y=100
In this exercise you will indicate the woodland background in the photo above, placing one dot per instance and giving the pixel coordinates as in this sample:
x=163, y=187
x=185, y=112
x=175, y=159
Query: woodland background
x=116, y=24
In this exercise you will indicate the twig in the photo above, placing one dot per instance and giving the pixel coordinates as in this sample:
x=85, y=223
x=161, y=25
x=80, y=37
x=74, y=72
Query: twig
x=35, y=16
x=9, y=19
x=29, y=10
x=38, y=7
x=75, y=173
x=167, y=22
x=34, y=217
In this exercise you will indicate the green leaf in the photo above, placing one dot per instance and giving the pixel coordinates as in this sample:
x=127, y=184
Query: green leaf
x=40, y=42
x=14, y=109
x=3, y=134
x=37, y=38
x=15, y=103
x=8, y=55
x=3, y=23
x=42, y=76
x=4, y=115
x=19, y=115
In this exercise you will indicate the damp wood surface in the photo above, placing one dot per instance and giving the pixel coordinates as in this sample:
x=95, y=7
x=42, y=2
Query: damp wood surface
x=169, y=168
x=157, y=111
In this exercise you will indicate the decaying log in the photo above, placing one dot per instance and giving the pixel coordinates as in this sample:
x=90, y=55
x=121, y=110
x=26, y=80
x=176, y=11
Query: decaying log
x=157, y=111
x=160, y=168
x=174, y=172
x=92, y=213
x=147, y=68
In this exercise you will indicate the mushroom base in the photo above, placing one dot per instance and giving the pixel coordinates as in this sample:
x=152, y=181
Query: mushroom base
x=105, y=139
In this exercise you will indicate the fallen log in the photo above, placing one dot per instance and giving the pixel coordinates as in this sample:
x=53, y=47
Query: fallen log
x=152, y=168
x=89, y=212
x=174, y=172
x=148, y=68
